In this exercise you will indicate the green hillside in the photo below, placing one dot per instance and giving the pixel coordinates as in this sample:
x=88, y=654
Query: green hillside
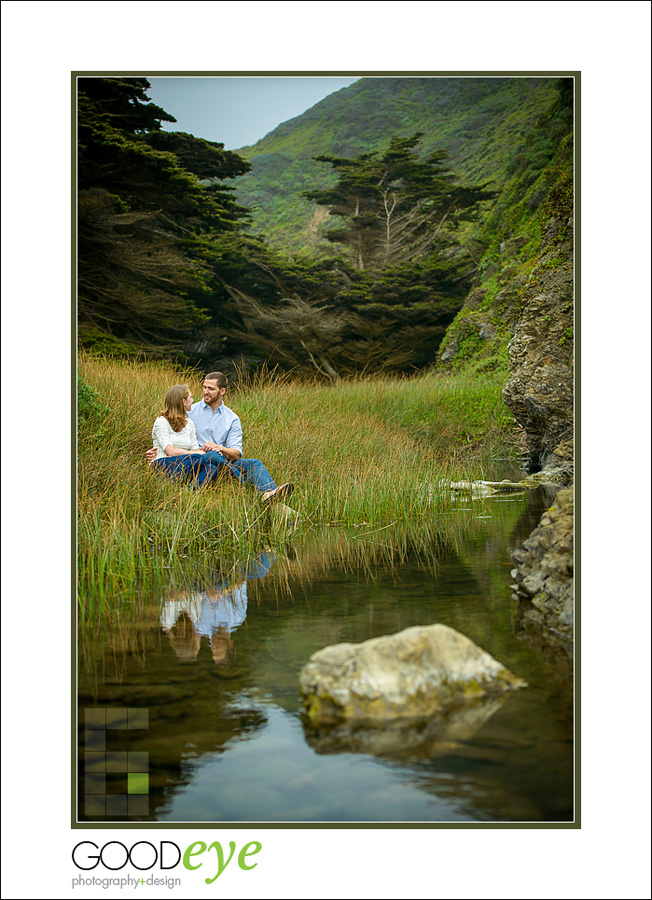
x=514, y=133
x=481, y=122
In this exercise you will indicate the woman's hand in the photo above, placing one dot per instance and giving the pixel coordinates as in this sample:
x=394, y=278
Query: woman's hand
x=176, y=451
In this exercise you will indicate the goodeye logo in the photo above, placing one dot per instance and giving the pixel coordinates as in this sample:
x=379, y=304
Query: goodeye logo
x=143, y=855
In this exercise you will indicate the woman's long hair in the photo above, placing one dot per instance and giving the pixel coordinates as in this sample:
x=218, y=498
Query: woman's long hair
x=173, y=406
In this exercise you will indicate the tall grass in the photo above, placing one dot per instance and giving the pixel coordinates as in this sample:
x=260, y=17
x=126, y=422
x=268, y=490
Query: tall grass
x=373, y=453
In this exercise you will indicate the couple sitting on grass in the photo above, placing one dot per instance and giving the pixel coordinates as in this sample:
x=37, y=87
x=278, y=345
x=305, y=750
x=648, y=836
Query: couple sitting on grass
x=200, y=442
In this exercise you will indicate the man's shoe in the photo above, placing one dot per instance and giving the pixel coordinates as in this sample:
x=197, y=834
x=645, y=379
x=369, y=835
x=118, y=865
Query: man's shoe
x=280, y=493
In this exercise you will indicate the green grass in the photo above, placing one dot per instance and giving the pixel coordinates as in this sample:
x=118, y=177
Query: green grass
x=373, y=456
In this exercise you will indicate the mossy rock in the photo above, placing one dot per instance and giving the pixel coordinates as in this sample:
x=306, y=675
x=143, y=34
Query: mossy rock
x=418, y=672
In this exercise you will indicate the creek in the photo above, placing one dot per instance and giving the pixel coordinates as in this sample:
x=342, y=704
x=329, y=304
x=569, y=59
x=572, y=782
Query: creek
x=195, y=715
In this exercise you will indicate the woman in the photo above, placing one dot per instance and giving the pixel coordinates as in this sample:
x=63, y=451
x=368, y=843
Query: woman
x=175, y=441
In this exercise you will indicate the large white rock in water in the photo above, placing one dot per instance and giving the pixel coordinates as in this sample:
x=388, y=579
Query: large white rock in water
x=417, y=672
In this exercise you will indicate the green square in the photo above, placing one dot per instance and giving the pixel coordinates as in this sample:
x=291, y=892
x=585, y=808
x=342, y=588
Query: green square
x=116, y=761
x=138, y=761
x=138, y=783
x=94, y=718
x=138, y=805
x=94, y=762
x=95, y=784
x=95, y=739
x=116, y=717
x=94, y=805
x=138, y=717
x=116, y=805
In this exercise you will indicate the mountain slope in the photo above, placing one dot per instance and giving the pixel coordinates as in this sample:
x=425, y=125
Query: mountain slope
x=516, y=133
x=481, y=122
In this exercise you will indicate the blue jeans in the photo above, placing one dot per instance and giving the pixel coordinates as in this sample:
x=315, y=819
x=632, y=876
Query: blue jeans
x=195, y=469
x=259, y=567
x=247, y=471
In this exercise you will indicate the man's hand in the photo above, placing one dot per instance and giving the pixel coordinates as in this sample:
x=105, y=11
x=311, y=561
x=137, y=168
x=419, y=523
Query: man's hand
x=151, y=455
x=227, y=452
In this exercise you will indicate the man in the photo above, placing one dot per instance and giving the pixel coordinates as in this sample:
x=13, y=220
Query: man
x=219, y=434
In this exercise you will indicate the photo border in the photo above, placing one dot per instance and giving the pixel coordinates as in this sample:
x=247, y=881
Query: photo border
x=93, y=825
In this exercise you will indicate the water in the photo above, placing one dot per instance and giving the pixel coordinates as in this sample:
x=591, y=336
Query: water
x=216, y=672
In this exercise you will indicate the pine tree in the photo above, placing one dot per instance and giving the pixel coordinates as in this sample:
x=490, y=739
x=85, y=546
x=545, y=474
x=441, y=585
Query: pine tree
x=147, y=199
x=395, y=206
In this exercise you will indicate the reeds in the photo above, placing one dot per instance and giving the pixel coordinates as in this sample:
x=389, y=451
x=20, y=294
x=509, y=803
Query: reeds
x=371, y=454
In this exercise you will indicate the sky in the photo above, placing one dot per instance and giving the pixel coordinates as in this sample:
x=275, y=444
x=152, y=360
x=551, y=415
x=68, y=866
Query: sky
x=237, y=111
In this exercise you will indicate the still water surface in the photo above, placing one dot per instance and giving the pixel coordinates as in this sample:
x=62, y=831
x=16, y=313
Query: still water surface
x=217, y=669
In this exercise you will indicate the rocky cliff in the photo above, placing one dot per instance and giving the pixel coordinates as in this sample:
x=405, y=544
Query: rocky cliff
x=539, y=391
x=544, y=570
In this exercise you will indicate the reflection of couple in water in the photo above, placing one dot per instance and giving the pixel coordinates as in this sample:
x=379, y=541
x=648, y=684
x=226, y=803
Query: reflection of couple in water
x=200, y=442
x=214, y=612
